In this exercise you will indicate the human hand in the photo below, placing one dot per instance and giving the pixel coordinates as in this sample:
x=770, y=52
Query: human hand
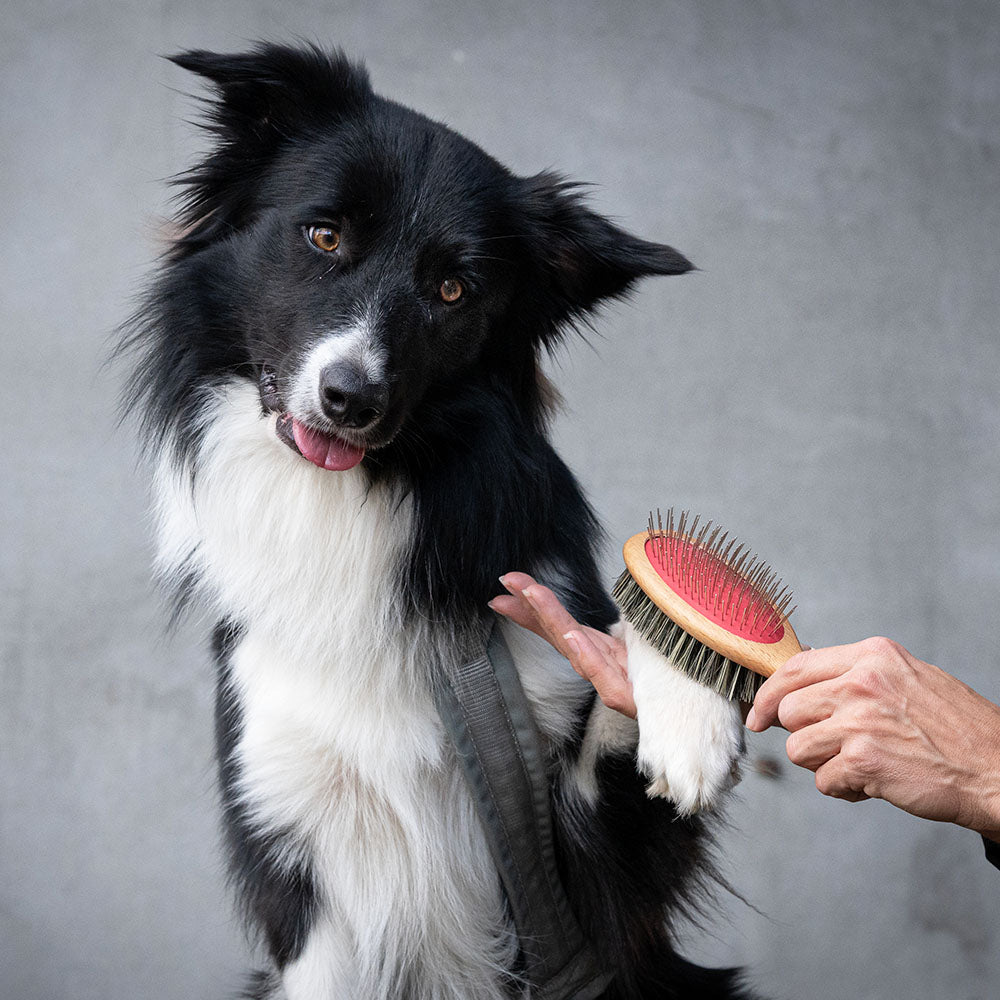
x=873, y=721
x=595, y=655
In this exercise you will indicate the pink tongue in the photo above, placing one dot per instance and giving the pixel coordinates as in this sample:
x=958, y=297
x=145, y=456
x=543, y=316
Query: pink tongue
x=324, y=450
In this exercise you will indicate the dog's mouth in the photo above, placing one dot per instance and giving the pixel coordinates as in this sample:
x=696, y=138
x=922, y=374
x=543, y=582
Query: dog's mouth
x=328, y=451
x=325, y=450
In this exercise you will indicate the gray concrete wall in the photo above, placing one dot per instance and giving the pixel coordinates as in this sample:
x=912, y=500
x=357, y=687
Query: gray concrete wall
x=827, y=385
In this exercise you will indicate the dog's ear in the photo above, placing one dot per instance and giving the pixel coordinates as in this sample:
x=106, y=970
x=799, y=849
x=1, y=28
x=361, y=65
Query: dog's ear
x=274, y=90
x=266, y=98
x=587, y=257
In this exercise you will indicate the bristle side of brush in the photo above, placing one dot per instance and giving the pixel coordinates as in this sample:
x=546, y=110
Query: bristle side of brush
x=715, y=590
x=685, y=652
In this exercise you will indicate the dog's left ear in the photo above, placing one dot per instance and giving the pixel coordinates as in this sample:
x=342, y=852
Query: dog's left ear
x=588, y=257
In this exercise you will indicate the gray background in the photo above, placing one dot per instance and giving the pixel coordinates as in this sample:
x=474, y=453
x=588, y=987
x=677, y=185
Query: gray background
x=826, y=386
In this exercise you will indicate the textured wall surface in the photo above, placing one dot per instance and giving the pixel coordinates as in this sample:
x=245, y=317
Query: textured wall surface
x=826, y=385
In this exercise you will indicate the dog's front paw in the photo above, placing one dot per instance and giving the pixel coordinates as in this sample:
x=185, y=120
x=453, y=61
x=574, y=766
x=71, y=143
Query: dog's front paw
x=690, y=738
x=690, y=747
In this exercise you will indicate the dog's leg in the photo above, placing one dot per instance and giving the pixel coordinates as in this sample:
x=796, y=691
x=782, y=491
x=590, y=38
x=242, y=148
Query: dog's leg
x=607, y=731
x=326, y=967
x=690, y=738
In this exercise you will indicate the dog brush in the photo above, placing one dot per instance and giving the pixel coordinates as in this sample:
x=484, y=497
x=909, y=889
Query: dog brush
x=704, y=601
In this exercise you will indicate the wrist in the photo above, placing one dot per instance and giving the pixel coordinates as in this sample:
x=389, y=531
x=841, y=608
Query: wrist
x=985, y=812
x=982, y=794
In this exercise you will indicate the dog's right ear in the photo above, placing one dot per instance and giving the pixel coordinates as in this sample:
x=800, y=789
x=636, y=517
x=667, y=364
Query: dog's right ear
x=276, y=89
x=265, y=98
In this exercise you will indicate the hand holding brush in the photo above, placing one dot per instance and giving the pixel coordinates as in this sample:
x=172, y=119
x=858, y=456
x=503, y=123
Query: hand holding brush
x=870, y=719
x=702, y=600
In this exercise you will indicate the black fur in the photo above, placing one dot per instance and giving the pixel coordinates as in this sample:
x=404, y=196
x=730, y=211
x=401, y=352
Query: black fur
x=298, y=136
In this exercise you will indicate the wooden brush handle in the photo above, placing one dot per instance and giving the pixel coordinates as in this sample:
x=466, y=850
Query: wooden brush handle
x=760, y=657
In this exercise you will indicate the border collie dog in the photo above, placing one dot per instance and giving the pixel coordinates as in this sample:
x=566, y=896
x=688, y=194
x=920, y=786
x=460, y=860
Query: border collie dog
x=337, y=369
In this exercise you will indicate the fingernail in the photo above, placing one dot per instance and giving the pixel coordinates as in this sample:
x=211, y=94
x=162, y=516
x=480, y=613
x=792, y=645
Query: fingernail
x=491, y=604
x=529, y=594
x=752, y=719
x=574, y=641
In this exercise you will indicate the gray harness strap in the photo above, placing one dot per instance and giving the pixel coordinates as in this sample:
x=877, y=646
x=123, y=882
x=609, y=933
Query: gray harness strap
x=487, y=715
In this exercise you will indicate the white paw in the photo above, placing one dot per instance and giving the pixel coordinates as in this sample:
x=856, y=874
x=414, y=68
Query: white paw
x=690, y=738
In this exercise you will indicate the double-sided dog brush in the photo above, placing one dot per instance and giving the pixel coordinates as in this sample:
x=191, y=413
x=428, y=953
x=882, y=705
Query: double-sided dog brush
x=704, y=601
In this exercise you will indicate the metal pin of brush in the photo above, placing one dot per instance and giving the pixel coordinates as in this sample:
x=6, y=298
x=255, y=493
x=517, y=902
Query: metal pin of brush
x=706, y=603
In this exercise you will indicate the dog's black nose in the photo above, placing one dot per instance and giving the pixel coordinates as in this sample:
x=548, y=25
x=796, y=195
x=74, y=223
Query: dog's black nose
x=349, y=397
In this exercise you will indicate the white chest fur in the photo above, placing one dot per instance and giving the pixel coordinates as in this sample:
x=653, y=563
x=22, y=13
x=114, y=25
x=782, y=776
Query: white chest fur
x=340, y=747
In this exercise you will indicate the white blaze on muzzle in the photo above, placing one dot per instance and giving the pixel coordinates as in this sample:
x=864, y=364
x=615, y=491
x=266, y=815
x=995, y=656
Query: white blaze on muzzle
x=355, y=345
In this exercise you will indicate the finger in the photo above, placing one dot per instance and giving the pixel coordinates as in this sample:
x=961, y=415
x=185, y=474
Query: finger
x=610, y=646
x=516, y=582
x=600, y=652
x=538, y=610
x=805, y=668
x=834, y=779
x=516, y=607
x=813, y=746
x=809, y=705
x=519, y=611
x=552, y=616
x=603, y=670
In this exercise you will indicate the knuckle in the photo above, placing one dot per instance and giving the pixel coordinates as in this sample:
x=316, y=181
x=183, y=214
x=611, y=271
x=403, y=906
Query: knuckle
x=789, y=709
x=796, y=665
x=793, y=667
x=795, y=748
x=865, y=680
x=825, y=783
x=786, y=709
x=862, y=755
x=881, y=647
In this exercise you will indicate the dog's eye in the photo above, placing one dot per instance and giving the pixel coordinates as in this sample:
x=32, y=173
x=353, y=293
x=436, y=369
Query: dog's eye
x=323, y=238
x=451, y=290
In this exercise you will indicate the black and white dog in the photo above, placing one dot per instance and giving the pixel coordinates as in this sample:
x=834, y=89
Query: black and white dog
x=338, y=370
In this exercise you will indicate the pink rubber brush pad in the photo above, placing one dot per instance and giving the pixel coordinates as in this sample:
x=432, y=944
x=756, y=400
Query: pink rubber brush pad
x=711, y=587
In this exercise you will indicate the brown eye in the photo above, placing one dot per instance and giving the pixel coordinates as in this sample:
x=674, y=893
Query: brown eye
x=450, y=290
x=323, y=238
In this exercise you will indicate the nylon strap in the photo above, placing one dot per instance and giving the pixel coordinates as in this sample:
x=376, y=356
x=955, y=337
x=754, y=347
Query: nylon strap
x=486, y=712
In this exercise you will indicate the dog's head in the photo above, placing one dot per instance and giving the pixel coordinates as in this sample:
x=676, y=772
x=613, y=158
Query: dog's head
x=372, y=260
